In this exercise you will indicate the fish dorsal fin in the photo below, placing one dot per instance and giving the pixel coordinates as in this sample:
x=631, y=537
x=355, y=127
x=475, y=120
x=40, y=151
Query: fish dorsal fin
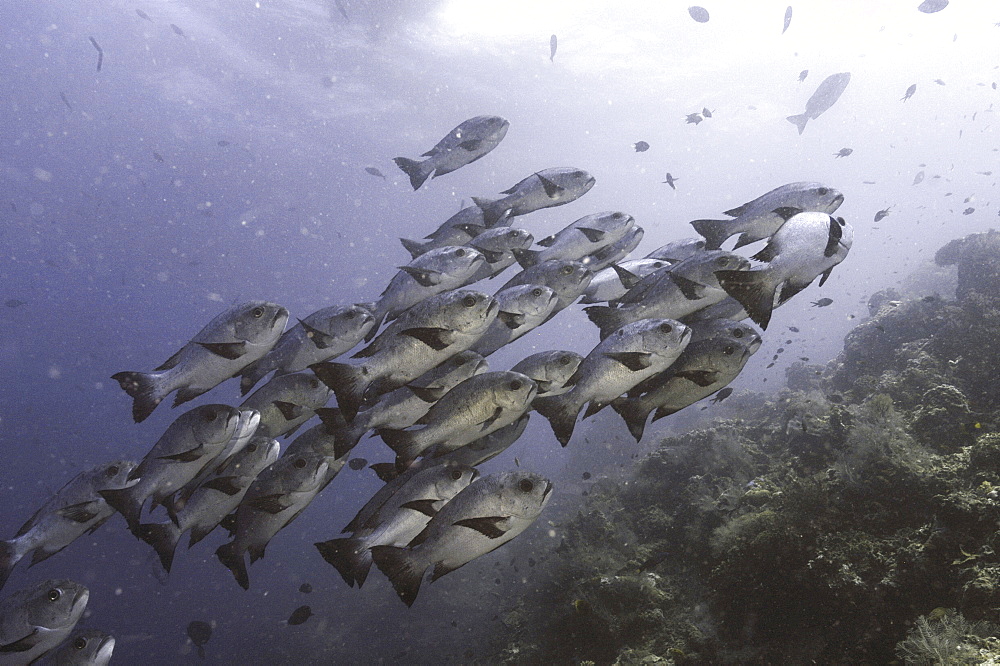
x=787, y=212
x=428, y=394
x=320, y=339
x=22, y=644
x=692, y=290
x=552, y=191
x=84, y=512
x=548, y=241
x=833, y=240
x=424, y=277
x=512, y=320
x=272, y=504
x=227, y=350
x=190, y=455
x=488, y=526
x=699, y=377
x=593, y=235
x=289, y=410
x=435, y=338
x=171, y=362
x=424, y=506
x=739, y=210
x=767, y=253
x=224, y=484
x=430, y=153
x=471, y=144
x=627, y=277
x=634, y=361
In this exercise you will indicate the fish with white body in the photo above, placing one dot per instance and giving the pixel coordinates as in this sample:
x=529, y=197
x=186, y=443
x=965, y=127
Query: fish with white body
x=458, y=229
x=611, y=254
x=497, y=246
x=465, y=144
x=568, y=279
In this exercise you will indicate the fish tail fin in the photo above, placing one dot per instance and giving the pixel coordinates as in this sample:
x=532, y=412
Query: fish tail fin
x=345, y=435
x=199, y=533
x=403, y=443
x=414, y=247
x=233, y=560
x=715, y=232
x=350, y=557
x=607, y=318
x=493, y=211
x=526, y=258
x=752, y=290
x=10, y=555
x=799, y=121
x=385, y=471
x=163, y=537
x=402, y=570
x=124, y=502
x=348, y=383
x=145, y=391
x=634, y=413
x=417, y=171
x=561, y=414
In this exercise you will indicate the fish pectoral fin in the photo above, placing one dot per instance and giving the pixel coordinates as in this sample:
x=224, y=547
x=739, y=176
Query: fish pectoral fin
x=489, y=526
x=826, y=275
x=512, y=320
x=424, y=506
x=423, y=276
x=471, y=144
x=170, y=362
x=190, y=455
x=699, y=377
x=472, y=230
x=593, y=235
x=491, y=256
x=548, y=241
x=627, y=278
x=224, y=484
x=289, y=410
x=435, y=338
x=552, y=191
x=428, y=394
x=84, y=512
x=227, y=350
x=22, y=644
x=786, y=212
x=269, y=503
x=320, y=339
x=492, y=418
x=634, y=361
x=692, y=290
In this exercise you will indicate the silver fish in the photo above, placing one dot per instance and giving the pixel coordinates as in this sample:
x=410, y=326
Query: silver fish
x=523, y=308
x=318, y=441
x=212, y=501
x=485, y=515
x=278, y=495
x=826, y=95
x=543, y=189
x=88, y=647
x=762, y=217
x=498, y=245
x=615, y=252
x=423, y=337
x=550, y=370
x=568, y=279
x=75, y=509
x=458, y=229
x=400, y=518
x=286, y=402
x=35, y=620
x=678, y=250
x=322, y=336
x=807, y=246
x=610, y=283
x=230, y=342
x=465, y=144
x=633, y=353
x=579, y=239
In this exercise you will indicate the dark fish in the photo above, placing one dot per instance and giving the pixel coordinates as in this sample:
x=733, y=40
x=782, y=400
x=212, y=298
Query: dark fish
x=699, y=14
x=826, y=95
x=65, y=101
x=199, y=632
x=882, y=214
x=705, y=112
x=357, y=463
x=909, y=92
x=305, y=588
x=803, y=74
x=640, y=146
x=931, y=6
x=918, y=178
x=793, y=329
x=823, y=302
x=843, y=152
x=14, y=302
x=100, y=52
x=222, y=143
x=969, y=211
x=726, y=392
x=143, y=15
x=375, y=172
x=788, y=19
x=586, y=476
x=177, y=31
x=939, y=82
x=158, y=157
x=670, y=181
x=300, y=615
x=553, y=42
x=694, y=118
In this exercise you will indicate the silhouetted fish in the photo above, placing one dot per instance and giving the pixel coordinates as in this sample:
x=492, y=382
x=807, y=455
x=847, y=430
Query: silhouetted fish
x=699, y=14
x=177, y=31
x=375, y=172
x=788, y=19
x=199, y=632
x=553, y=42
x=300, y=615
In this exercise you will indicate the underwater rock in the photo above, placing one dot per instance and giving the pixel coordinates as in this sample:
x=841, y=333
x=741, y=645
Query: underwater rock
x=978, y=260
x=940, y=419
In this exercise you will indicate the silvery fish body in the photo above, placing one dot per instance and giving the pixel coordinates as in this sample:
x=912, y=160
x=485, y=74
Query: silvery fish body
x=319, y=441
x=550, y=370
x=607, y=284
x=498, y=245
x=458, y=229
x=485, y=515
x=33, y=621
x=543, y=189
x=229, y=343
x=615, y=252
x=88, y=647
x=826, y=95
x=323, y=335
x=522, y=309
x=568, y=279
x=678, y=250
x=286, y=402
x=579, y=239
x=465, y=144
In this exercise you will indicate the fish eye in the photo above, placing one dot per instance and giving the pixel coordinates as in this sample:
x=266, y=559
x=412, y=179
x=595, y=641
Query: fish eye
x=564, y=360
x=80, y=643
x=525, y=485
x=566, y=270
x=666, y=328
x=257, y=312
x=112, y=471
x=209, y=415
x=728, y=350
x=460, y=252
x=536, y=292
x=251, y=447
x=456, y=474
x=657, y=264
x=822, y=191
x=618, y=216
x=737, y=333
x=469, y=301
x=351, y=314
x=299, y=463
x=513, y=233
x=313, y=383
x=54, y=594
x=514, y=384
x=721, y=261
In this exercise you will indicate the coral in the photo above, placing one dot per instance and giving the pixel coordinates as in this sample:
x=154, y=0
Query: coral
x=944, y=637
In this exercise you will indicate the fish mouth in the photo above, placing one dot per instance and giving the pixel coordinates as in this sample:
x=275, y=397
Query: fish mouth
x=249, y=419
x=482, y=366
x=493, y=307
x=548, y=489
x=105, y=650
x=837, y=201
x=80, y=599
x=280, y=314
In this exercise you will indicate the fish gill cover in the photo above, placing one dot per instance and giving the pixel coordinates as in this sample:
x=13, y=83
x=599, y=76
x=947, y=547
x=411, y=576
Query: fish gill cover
x=222, y=194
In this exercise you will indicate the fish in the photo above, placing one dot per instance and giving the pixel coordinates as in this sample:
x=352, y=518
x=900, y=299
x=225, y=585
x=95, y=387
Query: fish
x=470, y=141
x=199, y=632
x=230, y=342
x=305, y=588
x=14, y=303
x=699, y=14
x=803, y=74
x=211, y=501
x=939, y=82
x=275, y=498
x=825, y=96
x=75, y=509
x=441, y=269
x=88, y=647
x=762, y=217
x=143, y=15
x=473, y=409
x=919, y=178
x=62, y=96
x=100, y=52
x=458, y=229
x=788, y=19
x=543, y=189
x=497, y=246
x=722, y=395
x=191, y=442
x=178, y=31
x=640, y=146
x=158, y=157
x=553, y=43
x=318, y=441
x=882, y=214
x=522, y=309
x=693, y=118
x=706, y=113
x=822, y=303
x=405, y=405
x=34, y=620
x=585, y=236
x=631, y=354
x=569, y=279
x=286, y=402
x=969, y=211
x=375, y=172
x=485, y=515
x=550, y=370
x=705, y=366
x=322, y=336
x=909, y=92
x=421, y=338
x=611, y=254
x=843, y=152
x=397, y=520
x=932, y=6
x=611, y=283
x=672, y=292
x=670, y=180
x=299, y=615
x=808, y=246
x=678, y=250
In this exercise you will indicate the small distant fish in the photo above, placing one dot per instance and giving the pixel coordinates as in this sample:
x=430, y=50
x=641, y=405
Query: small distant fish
x=100, y=52
x=726, y=392
x=199, y=632
x=793, y=329
x=985, y=173
x=69, y=106
x=939, y=82
x=305, y=588
x=843, y=152
x=640, y=146
x=300, y=615
x=340, y=8
x=788, y=19
x=918, y=178
x=222, y=143
x=375, y=172
x=822, y=303
x=327, y=81
x=909, y=92
x=177, y=31
x=882, y=214
x=14, y=302
x=553, y=42
x=357, y=463
x=803, y=74
x=693, y=118
x=969, y=211
x=143, y=15
x=158, y=157
x=705, y=112
x=670, y=181
x=699, y=14
x=586, y=476
x=825, y=96
x=931, y=6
